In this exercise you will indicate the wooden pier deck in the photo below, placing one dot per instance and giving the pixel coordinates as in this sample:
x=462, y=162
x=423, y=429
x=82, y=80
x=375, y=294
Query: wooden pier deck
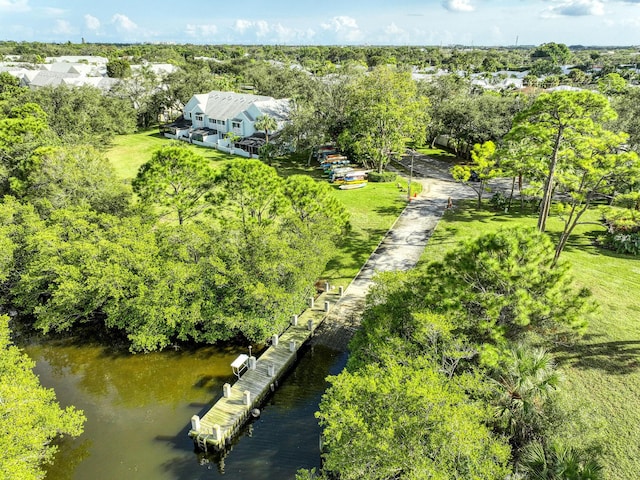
x=219, y=425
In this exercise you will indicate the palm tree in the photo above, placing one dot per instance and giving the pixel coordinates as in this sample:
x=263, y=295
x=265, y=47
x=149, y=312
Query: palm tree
x=558, y=462
x=526, y=386
x=232, y=138
x=266, y=123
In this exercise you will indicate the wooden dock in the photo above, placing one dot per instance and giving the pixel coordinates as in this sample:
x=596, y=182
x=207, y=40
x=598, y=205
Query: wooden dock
x=222, y=422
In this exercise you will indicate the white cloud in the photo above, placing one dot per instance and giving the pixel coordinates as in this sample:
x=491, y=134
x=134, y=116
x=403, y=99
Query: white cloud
x=14, y=6
x=458, y=5
x=574, y=8
x=284, y=34
x=340, y=23
x=272, y=32
x=202, y=30
x=123, y=22
x=262, y=28
x=393, y=29
x=346, y=28
x=62, y=27
x=242, y=25
x=91, y=22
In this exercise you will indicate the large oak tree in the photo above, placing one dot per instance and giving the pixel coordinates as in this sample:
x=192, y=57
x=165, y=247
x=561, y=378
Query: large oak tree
x=385, y=112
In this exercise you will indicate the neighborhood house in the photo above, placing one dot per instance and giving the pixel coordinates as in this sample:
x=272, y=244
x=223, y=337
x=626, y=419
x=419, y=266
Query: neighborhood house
x=226, y=121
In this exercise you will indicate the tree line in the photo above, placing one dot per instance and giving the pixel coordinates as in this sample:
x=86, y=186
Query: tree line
x=317, y=58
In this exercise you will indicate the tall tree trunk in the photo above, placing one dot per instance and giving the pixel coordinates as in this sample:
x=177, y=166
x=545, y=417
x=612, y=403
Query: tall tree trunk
x=569, y=225
x=513, y=186
x=548, y=186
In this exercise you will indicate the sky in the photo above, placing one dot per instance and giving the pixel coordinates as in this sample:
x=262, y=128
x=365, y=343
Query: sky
x=325, y=22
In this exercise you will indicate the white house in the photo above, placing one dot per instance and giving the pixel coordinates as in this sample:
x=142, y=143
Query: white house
x=208, y=119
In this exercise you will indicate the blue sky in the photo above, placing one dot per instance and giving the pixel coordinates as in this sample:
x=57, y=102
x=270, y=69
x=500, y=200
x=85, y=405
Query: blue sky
x=325, y=22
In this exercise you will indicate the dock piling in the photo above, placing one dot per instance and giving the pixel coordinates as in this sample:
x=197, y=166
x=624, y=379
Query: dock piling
x=195, y=423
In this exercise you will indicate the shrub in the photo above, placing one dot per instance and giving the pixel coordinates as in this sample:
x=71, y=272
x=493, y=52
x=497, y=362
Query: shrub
x=621, y=243
x=384, y=177
x=499, y=201
x=623, y=230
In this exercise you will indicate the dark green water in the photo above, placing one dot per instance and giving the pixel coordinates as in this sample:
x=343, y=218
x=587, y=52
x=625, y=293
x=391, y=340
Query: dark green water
x=139, y=407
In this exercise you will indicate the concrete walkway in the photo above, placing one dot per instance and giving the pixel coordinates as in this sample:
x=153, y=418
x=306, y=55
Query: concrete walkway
x=400, y=249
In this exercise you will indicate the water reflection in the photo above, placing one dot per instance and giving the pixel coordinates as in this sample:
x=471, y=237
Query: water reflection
x=139, y=406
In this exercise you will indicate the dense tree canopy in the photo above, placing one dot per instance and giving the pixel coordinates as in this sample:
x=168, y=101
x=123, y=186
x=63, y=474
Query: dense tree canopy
x=493, y=289
x=242, y=269
x=118, y=68
x=505, y=284
x=85, y=114
x=558, y=53
x=385, y=112
x=30, y=417
x=407, y=422
x=61, y=177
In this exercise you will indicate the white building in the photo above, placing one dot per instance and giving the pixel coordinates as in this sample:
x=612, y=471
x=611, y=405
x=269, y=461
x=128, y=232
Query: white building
x=209, y=118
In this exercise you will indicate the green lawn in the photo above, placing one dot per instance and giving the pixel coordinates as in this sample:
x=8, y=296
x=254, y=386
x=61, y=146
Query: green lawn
x=440, y=154
x=601, y=371
x=130, y=151
x=373, y=209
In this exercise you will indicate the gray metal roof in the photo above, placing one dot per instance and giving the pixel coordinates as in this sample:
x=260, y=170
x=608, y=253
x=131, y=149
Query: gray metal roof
x=225, y=105
x=278, y=109
x=45, y=78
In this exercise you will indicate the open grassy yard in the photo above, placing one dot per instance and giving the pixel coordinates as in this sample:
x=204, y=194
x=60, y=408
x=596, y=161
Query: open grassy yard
x=602, y=370
x=373, y=209
x=130, y=151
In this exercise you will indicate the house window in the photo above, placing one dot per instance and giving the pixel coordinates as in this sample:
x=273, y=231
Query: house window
x=221, y=122
x=212, y=120
x=235, y=124
x=199, y=118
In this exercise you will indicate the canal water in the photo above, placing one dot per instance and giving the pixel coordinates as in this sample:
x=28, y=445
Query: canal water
x=138, y=410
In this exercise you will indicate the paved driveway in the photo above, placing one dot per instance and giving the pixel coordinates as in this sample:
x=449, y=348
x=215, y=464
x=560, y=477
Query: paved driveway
x=400, y=249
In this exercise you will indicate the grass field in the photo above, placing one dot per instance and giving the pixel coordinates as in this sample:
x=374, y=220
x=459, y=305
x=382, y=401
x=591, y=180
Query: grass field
x=601, y=371
x=130, y=151
x=373, y=209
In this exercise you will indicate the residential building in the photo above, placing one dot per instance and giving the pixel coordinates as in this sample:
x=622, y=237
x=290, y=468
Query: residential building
x=226, y=121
